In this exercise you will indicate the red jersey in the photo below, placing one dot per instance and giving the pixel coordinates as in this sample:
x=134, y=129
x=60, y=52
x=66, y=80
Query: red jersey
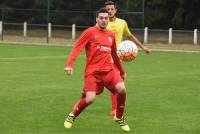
x=99, y=47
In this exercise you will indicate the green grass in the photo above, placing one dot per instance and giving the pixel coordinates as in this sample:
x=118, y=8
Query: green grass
x=163, y=93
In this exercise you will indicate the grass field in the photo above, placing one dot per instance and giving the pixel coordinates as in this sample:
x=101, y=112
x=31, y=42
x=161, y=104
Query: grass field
x=35, y=94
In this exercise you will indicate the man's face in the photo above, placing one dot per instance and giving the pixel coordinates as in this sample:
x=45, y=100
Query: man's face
x=111, y=10
x=102, y=20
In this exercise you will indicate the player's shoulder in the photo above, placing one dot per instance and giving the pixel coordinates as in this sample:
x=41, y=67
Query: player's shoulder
x=110, y=32
x=89, y=31
x=122, y=21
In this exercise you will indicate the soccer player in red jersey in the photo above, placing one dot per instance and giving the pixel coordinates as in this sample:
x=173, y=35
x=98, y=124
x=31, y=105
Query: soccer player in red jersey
x=100, y=47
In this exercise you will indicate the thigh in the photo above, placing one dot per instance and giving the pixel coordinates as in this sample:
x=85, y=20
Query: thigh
x=100, y=88
x=93, y=83
x=111, y=79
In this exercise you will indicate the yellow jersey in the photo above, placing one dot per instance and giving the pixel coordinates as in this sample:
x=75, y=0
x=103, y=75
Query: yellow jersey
x=120, y=28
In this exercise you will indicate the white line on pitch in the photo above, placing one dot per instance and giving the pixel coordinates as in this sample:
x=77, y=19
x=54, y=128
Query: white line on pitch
x=169, y=50
x=36, y=57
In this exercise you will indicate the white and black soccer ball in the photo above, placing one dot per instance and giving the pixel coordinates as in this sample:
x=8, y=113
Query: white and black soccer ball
x=127, y=50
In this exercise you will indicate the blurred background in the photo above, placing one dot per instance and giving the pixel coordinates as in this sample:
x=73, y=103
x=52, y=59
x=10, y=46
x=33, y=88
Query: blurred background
x=50, y=21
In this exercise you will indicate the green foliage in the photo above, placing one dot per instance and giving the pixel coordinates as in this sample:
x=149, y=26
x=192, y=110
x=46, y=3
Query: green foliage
x=179, y=14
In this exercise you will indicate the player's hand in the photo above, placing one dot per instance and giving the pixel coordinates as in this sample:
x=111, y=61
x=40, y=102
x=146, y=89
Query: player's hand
x=147, y=50
x=123, y=76
x=68, y=70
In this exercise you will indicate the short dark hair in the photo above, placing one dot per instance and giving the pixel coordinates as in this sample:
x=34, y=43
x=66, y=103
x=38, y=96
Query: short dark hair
x=109, y=2
x=101, y=10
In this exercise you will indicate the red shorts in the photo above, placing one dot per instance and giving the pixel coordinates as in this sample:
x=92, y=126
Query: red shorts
x=97, y=81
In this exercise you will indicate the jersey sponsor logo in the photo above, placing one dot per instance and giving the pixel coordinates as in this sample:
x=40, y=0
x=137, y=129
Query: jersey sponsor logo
x=103, y=48
x=96, y=36
x=110, y=39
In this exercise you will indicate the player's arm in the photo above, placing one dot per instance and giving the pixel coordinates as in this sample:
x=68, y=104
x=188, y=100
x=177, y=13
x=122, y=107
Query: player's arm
x=134, y=39
x=117, y=61
x=80, y=44
x=139, y=44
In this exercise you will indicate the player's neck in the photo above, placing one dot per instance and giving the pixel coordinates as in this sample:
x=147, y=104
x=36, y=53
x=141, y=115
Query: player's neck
x=112, y=18
x=101, y=29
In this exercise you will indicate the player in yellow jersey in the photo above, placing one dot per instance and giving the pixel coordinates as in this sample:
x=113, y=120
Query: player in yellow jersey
x=120, y=28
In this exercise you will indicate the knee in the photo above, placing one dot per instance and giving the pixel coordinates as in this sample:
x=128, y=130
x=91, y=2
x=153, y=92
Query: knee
x=90, y=99
x=120, y=88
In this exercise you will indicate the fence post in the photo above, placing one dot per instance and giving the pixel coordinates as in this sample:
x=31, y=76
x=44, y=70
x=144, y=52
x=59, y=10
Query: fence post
x=146, y=35
x=25, y=29
x=195, y=37
x=1, y=30
x=73, y=31
x=170, y=36
x=49, y=30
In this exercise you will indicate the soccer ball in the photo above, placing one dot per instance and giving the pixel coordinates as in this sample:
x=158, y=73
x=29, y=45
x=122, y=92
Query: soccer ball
x=127, y=50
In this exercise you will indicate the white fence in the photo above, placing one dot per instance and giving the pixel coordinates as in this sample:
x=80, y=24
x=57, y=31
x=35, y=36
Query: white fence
x=145, y=36
x=170, y=35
